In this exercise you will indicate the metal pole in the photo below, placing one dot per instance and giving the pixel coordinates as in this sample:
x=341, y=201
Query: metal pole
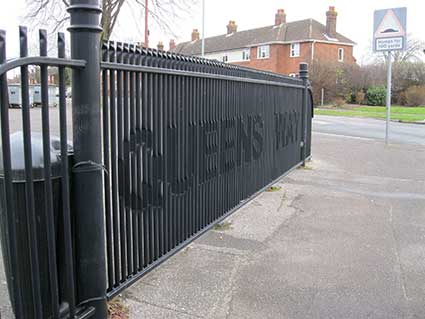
x=389, y=75
x=146, y=24
x=87, y=171
x=203, y=28
x=322, y=99
x=304, y=78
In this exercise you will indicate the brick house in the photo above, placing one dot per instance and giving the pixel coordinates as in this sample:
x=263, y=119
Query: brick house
x=277, y=48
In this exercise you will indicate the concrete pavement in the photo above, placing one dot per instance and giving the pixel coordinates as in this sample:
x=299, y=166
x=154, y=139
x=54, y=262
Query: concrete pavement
x=344, y=239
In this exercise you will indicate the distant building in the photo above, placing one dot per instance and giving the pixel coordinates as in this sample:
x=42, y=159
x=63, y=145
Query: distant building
x=277, y=48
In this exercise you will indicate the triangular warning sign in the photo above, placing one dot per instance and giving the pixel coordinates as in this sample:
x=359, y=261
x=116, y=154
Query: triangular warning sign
x=390, y=26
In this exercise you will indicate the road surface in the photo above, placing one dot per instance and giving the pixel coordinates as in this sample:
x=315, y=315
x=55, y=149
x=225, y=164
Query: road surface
x=401, y=133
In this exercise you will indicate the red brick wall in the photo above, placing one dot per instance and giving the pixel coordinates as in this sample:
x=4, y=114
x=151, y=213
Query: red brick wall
x=288, y=64
x=329, y=52
x=281, y=62
x=270, y=64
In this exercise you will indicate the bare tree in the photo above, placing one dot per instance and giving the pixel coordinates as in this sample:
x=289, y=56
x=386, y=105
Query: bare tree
x=337, y=80
x=165, y=13
x=413, y=52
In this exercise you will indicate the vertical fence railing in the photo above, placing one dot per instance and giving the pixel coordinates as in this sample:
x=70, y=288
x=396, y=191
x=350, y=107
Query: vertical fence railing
x=305, y=103
x=9, y=239
x=29, y=188
x=36, y=231
x=47, y=176
x=185, y=141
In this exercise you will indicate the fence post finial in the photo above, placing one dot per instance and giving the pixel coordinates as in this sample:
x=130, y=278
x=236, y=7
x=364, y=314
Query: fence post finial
x=87, y=172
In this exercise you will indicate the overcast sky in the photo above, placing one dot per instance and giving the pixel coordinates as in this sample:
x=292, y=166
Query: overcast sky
x=355, y=19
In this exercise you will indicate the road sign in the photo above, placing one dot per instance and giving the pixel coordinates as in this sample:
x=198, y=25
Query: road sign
x=389, y=30
x=389, y=34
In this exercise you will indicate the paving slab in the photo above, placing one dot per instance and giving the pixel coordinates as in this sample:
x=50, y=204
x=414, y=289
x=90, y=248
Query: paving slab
x=344, y=238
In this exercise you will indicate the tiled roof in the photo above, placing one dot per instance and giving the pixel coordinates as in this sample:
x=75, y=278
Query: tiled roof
x=302, y=30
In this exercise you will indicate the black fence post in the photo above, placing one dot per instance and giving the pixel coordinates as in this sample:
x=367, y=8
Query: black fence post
x=304, y=77
x=87, y=170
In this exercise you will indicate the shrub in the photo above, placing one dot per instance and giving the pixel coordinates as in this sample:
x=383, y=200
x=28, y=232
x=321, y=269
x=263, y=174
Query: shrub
x=376, y=95
x=401, y=98
x=350, y=97
x=415, y=95
x=360, y=97
x=339, y=101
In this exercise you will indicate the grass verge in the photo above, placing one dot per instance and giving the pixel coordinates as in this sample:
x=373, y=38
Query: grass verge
x=398, y=113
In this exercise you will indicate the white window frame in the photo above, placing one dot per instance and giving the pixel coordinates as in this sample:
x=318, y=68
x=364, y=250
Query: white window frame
x=293, y=75
x=263, y=52
x=294, y=50
x=246, y=54
x=340, y=54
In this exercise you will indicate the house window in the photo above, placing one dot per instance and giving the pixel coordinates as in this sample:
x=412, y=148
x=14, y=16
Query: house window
x=263, y=52
x=340, y=54
x=293, y=75
x=295, y=50
x=246, y=55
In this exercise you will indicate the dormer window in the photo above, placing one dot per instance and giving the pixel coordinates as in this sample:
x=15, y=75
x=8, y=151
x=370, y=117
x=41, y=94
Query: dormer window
x=340, y=54
x=263, y=52
x=295, y=50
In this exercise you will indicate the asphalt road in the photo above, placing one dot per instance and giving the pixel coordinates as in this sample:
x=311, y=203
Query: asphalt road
x=400, y=133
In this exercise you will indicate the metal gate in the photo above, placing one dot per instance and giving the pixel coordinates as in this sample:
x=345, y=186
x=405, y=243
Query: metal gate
x=186, y=141
x=164, y=147
x=34, y=201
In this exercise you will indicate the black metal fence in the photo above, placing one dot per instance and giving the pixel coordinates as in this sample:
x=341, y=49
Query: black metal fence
x=35, y=192
x=164, y=147
x=186, y=140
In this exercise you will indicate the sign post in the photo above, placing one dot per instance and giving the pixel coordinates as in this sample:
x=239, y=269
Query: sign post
x=389, y=35
x=389, y=87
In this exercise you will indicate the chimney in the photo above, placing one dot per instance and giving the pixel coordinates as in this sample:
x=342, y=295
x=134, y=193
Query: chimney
x=280, y=17
x=232, y=27
x=160, y=46
x=172, y=45
x=195, y=35
x=331, y=22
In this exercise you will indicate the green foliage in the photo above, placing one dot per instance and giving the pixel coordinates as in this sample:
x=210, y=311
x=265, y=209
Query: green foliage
x=274, y=188
x=68, y=75
x=376, y=95
x=225, y=225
